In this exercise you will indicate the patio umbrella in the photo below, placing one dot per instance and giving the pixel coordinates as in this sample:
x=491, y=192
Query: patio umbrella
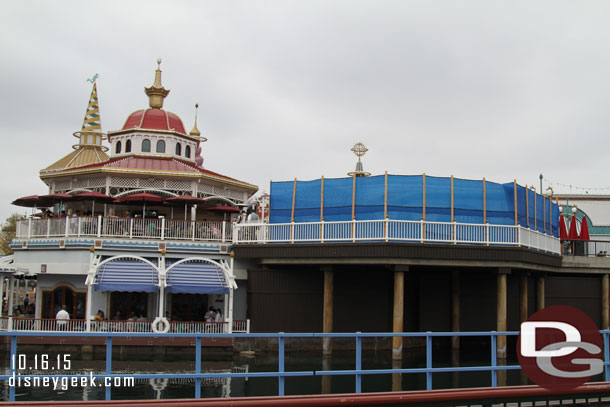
x=224, y=209
x=31, y=201
x=141, y=198
x=186, y=200
x=94, y=197
x=573, y=233
x=563, y=231
x=584, y=229
x=57, y=198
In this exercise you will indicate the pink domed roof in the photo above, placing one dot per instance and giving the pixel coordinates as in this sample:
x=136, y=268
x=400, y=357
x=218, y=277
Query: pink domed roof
x=154, y=119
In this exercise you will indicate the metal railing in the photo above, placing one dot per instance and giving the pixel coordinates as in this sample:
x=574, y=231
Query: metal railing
x=395, y=230
x=358, y=372
x=131, y=228
x=13, y=323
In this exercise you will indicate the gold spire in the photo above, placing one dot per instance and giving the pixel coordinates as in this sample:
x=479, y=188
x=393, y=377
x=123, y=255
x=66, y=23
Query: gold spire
x=195, y=132
x=156, y=93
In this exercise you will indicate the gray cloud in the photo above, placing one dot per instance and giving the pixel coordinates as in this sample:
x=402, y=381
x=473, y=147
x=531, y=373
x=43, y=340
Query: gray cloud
x=476, y=89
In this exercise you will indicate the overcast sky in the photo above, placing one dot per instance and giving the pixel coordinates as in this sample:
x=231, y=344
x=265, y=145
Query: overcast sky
x=502, y=90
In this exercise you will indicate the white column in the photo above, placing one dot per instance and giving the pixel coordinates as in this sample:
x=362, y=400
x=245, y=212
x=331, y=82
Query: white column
x=1, y=293
x=88, y=305
x=230, y=312
x=10, y=302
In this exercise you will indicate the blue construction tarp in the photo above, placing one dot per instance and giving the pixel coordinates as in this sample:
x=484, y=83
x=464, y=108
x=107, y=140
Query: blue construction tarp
x=474, y=201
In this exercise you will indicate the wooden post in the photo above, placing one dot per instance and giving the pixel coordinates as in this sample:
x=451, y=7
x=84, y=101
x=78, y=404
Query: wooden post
x=501, y=311
x=452, y=198
x=294, y=195
x=399, y=304
x=424, y=199
x=540, y=294
x=543, y=214
x=385, y=197
x=523, y=312
x=516, y=210
x=535, y=209
x=322, y=199
x=353, y=205
x=328, y=309
x=455, y=310
x=605, y=302
x=550, y=216
x=527, y=206
x=484, y=202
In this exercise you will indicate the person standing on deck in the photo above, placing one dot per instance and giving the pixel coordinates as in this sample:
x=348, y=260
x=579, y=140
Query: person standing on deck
x=62, y=317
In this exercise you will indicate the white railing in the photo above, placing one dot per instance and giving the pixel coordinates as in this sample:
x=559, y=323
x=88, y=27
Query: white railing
x=131, y=228
x=80, y=325
x=395, y=230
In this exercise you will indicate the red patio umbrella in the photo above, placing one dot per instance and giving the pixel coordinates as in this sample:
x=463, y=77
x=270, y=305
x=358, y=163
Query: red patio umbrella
x=57, y=198
x=186, y=200
x=563, y=231
x=223, y=209
x=94, y=197
x=584, y=229
x=31, y=201
x=141, y=198
x=573, y=233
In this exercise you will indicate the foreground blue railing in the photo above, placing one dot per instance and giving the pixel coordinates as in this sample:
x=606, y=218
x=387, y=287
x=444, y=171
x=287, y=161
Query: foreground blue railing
x=281, y=373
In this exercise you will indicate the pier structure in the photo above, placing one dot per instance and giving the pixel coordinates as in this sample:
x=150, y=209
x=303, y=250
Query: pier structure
x=412, y=253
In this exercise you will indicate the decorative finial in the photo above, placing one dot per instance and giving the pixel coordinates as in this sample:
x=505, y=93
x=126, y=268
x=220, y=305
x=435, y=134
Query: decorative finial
x=156, y=93
x=195, y=132
x=93, y=78
x=359, y=151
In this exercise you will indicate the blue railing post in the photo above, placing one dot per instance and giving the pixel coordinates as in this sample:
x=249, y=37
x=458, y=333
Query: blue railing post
x=494, y=360
x=428, y=361
x=198, y=367
x=358, y=362
x=108, y=364
x=606, y=356
x=13, y=369
x=280, y=367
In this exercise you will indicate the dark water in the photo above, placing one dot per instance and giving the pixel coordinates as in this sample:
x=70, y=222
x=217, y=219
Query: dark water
x=181, y=362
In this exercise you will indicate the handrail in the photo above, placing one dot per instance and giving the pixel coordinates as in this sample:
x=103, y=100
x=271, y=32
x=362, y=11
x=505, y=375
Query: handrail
x=281, y=373
x=18, y=323
x=396, y=231
x=131, y=228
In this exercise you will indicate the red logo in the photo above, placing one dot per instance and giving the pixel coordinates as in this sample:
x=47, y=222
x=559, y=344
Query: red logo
x=560, y=347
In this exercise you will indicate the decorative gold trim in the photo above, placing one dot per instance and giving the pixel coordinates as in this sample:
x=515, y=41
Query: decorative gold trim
x=385, y=197
x=294, y=196
x=322, y=199
x=516, y=206
x=484, y=201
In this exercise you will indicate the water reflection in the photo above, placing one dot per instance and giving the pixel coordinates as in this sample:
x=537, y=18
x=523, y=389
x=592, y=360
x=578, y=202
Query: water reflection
x=183, y=362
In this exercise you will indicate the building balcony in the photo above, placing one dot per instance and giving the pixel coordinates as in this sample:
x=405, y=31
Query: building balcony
x=124, y=228
x=389, y=230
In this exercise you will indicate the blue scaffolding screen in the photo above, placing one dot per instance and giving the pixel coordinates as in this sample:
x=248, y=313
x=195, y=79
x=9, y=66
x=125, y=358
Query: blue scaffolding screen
x=412, y=197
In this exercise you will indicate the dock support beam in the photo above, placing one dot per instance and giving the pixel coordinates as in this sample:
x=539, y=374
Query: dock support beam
x=605, y=302
x=455, y=312
x=399, y=307
x=523, y=311
x=328, y=309
x=501, y=311
x=540, y=295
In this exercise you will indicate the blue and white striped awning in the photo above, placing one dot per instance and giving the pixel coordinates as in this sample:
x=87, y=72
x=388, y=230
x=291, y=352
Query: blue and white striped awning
x=127, y=275
x=196, y=278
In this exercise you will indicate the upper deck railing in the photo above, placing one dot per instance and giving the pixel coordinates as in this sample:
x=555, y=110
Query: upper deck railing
x=307, y=232
x=396, y=231
x=129, y=228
